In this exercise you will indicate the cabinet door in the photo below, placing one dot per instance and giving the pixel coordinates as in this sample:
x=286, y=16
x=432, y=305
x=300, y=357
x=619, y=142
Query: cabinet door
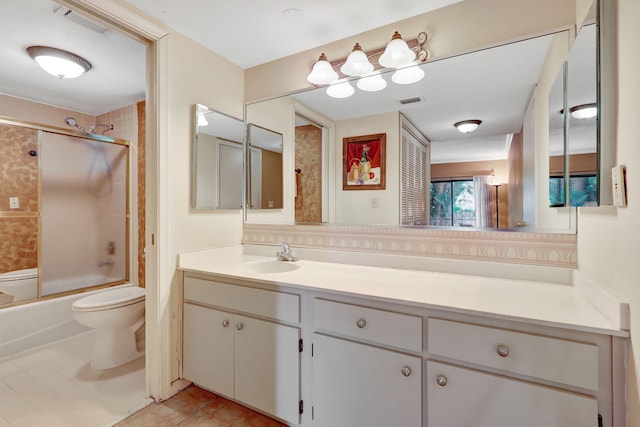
x=465, y=397
x=208, y=348
x=267, y=367
x=359, y=385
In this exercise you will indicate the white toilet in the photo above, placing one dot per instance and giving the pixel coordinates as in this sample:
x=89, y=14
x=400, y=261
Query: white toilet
x=20, y=284
x=116, y=314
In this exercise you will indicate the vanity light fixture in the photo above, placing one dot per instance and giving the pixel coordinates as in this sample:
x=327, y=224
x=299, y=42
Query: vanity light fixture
x=397, y=53
x=58, y=62
x=584, y=111
x=372, y=83
x=341, y=89
x=467, y=126
x=357, y=63
x=322, y=72
x=408, y=75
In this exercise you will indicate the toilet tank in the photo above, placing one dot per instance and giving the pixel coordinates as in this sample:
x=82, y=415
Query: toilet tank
x=21, y=284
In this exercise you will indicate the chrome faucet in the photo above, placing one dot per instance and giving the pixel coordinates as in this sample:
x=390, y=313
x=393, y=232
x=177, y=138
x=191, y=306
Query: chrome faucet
x=285, y=254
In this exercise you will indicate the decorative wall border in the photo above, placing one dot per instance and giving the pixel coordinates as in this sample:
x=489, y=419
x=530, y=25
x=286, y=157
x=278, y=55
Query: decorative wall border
x=516, y=247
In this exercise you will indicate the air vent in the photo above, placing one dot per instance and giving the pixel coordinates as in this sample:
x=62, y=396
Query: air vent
x=81, y=20
x=410, y=100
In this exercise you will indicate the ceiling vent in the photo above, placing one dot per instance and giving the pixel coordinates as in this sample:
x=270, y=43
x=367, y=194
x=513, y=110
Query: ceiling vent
x=82, y=20
x=410, y=100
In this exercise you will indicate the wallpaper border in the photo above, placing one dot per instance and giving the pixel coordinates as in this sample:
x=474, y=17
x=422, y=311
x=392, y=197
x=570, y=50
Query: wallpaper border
x=517, y=247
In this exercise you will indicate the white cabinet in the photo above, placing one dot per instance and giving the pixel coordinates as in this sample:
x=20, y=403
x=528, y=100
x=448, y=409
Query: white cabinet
x=356, y=382
x=359, y=385
x=253, y=361
x=465, y=397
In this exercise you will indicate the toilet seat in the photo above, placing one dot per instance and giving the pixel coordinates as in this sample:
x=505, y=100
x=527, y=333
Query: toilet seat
x=109, y=300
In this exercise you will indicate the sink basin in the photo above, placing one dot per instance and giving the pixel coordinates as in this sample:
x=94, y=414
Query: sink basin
x=266, y=267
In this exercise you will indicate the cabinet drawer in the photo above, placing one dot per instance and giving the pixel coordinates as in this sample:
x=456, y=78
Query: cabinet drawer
x=466, y=397
x=384, y=327
x=275, y=305
x=552, y=359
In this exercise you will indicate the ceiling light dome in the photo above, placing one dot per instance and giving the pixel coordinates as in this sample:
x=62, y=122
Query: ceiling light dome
x=584, y=111
x=322, y=72
x=341, y=89
x=467, y=126
x=58, y=62
x=372, y=83
x=397, y=53
x=408, y=75
x=357, y=63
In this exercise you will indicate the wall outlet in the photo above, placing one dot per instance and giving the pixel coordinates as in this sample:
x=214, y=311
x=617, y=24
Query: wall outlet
x=374, y=203
x=270, y=203
x=618, y=185
x=14, y=202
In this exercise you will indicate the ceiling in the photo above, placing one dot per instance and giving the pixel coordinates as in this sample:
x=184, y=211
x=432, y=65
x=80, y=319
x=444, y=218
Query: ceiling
x=253, y=32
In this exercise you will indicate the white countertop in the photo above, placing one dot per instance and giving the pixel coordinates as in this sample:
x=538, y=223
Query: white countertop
x=550, y=304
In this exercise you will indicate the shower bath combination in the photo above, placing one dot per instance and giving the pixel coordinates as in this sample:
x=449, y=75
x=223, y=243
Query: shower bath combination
x=71, y=121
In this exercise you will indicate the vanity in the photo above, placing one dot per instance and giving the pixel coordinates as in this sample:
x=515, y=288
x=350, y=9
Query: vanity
x=336, y=344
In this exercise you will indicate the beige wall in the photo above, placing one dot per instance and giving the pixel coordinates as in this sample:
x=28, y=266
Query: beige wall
x=608, y=242
x=196, y=75
x=485, y=23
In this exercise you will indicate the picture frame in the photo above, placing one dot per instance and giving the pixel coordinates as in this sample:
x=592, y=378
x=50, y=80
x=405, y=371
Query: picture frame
x=363, y=162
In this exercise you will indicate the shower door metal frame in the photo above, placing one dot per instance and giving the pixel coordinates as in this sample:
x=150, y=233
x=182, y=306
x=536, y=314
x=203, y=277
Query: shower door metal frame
x=93, y=137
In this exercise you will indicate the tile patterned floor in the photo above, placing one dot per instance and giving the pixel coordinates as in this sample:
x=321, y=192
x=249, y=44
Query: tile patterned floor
x=197, y=407
x=53, y=386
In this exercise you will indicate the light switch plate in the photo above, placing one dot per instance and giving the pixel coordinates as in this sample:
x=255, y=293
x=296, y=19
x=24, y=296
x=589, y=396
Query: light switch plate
x=618, y=185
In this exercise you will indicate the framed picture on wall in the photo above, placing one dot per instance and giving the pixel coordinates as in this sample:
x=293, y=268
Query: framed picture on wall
x=363, y=162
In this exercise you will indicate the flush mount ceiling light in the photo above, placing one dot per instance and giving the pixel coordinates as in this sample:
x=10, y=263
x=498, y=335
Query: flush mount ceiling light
x=408, y=75
x=322, y=72
x=58, y=62
x=342, y=89
x=467, y=126
x=372, y=83
x=397, y=53
x=357, y=63
x=584, y=111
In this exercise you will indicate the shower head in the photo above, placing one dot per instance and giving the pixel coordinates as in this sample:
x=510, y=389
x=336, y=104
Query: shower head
x=71, y=121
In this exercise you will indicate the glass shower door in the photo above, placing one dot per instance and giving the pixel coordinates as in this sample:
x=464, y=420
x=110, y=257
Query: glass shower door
x=84, y=213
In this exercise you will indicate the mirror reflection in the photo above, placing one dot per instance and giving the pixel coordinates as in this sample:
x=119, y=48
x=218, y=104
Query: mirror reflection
x=573, y=161
x=217, y=160
x=496, y=176
x=265, y=166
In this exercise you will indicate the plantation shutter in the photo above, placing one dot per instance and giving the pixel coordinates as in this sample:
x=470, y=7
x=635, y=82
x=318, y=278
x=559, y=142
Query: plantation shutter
x=415, y=175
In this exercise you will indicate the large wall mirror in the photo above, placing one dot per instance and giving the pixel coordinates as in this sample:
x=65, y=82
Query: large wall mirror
x=218, y=167
x=495, y=177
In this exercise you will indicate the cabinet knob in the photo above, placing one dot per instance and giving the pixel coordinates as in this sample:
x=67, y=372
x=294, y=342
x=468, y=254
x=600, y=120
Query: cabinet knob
x=406, y=371
x=441, y=380
x=503, y=350
x=361, y=323
x=239, y=326
x=225, y=323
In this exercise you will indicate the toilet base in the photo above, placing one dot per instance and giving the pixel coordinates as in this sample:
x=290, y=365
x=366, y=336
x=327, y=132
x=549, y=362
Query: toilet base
x=114, y=347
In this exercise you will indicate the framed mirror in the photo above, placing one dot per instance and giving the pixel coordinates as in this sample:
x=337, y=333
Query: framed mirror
x=218, y=170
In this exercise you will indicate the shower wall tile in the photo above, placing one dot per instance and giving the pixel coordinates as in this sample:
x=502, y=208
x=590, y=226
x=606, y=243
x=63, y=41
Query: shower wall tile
x=19, y=243
x=308, y=159
x=18, y=169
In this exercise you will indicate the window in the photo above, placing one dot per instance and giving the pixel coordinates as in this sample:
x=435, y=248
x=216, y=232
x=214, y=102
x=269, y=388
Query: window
x=582, y=191
x=453, y=203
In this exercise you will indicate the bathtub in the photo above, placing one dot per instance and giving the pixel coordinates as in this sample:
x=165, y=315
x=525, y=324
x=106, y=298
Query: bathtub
x=50, y=287
x=40, y=322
